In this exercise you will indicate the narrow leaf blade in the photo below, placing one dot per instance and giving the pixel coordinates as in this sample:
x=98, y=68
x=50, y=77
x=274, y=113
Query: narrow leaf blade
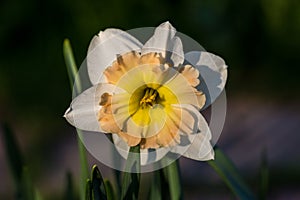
x=72, y=72
x=69, y=193
x=264, y=177
x=99, y=192
x=13, y=154
x=37, y=195
x=14, y=158
x=173, y=178
x=71, y=66
x=109, y=190
x=27, y=186
x=131, y=181
x=88, y=190
x=230, y=175
x=156, y=186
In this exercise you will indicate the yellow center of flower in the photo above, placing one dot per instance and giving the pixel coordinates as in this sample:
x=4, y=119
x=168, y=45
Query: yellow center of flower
x=150, y=98
x=149, y=103
x=148, y=111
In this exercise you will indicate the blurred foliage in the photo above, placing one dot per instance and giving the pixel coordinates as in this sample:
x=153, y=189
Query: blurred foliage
x=259, y=40
x=230, y=175
x=97, y=186
x=24, y=189
x=165, y=182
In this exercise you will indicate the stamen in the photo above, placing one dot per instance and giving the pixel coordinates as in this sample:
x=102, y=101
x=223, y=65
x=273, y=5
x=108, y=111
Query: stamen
x=149, y=99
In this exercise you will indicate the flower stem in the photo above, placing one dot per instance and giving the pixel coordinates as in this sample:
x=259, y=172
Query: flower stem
x=172, y=173
x=131, y=178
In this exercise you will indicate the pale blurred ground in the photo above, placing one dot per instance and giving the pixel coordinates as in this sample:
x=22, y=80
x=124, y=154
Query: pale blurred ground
x=253, y=127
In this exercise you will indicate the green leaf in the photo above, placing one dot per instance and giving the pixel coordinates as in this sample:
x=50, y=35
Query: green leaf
x=37, y=195
x=14, y=156
x=20, y=173
x=99, y=192
x=15, y=159
x=69, y=193
x=27, y=187
x=88, y=190
x=173, y=178
x=230, y=175
x=71, y=66
x=156, y=186
x=118, y=177
x=131, y=181
x=264, y=177
x=109, y=190
x=72, y=72
x=83, y=163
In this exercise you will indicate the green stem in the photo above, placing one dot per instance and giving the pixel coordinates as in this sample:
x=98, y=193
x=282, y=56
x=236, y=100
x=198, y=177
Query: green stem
x=72, y=72
x=131, y=180
x=173, y=176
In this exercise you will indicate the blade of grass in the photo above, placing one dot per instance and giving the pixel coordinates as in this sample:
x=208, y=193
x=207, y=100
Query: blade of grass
x=69, y=193
x=83, y=164
x=72, y=72
x=71, y=66
x=118, y=178
x=156, y=186
x=131, y=181
x=28, y=190
x=14, y=157
x=99, y=191
x=88, y=190
x=13, y=153
x=230, y=175
x=23, y=183
x=109, y=190
x=37, y=195
x=264, y=177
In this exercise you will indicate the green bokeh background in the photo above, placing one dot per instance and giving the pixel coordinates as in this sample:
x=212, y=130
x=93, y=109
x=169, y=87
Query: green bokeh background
x=259, y=40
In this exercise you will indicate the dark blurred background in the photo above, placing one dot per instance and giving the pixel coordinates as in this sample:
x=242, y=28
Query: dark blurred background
x=259, y=40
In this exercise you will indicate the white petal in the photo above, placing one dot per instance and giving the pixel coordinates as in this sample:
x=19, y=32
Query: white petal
x=206, y=152
x=213, y=71
x=196, y=146
x=105, y=47
x=165, y=42
x=84, y=109
x=147, y=156
x=189, y=120
x=200, y=149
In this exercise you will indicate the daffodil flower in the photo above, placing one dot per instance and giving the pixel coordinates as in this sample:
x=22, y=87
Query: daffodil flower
x=149, y=95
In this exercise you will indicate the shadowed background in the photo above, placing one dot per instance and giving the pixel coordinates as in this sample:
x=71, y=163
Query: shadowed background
x=258, y=39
